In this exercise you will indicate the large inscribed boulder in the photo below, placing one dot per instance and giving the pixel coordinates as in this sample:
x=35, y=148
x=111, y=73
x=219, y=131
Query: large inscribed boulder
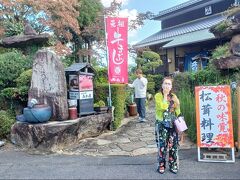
x=48, y=84
x=56, y=135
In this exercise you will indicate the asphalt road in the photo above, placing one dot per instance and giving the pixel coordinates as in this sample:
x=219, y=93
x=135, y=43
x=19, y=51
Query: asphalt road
x=20, y=165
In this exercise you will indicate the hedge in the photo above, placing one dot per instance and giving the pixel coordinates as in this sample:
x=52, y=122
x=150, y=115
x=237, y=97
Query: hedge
x=118, y=93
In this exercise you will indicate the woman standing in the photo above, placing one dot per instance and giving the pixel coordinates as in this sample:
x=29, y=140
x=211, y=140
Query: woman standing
x=167, y=109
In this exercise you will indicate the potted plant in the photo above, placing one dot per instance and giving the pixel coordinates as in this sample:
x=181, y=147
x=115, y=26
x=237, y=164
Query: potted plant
x=132, y=109
x=131, y=106
x=100, y=106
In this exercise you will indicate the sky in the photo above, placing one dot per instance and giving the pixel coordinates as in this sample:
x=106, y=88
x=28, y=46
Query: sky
x=130, y=9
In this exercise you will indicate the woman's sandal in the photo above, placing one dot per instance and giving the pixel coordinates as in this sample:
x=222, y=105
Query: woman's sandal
x=174, y=171
x=161, y=169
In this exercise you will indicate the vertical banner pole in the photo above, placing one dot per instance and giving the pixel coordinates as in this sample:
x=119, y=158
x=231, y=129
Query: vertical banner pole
x=199, y=154
x=233, y=154
x=238, y=116
x=107, y=57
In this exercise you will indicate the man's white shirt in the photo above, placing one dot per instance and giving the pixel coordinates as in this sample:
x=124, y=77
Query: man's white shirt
x=140, y=86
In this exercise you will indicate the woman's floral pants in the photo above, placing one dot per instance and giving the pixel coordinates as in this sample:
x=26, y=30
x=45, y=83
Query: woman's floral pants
x=167, y=137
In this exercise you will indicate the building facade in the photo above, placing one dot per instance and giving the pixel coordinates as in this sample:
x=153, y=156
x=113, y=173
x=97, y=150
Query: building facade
x=184, y=41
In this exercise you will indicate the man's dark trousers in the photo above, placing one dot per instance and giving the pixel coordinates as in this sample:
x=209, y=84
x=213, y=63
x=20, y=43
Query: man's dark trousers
x=141, y=107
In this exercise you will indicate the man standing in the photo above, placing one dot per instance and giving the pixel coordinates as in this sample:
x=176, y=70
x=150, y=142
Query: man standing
x=140, y=86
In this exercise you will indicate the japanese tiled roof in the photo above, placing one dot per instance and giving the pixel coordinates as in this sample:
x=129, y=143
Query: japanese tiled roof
x=168, y=34
x=79, y=67
x=178, y=7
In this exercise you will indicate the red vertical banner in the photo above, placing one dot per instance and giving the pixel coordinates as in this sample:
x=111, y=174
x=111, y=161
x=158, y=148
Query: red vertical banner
x=117, y=44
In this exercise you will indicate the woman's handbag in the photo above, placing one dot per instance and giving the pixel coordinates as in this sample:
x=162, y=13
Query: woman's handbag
x=180, y=124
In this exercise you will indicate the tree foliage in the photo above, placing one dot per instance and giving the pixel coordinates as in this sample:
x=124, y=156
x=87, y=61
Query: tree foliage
x=80, y=22
x=91, y=26
x=12, y=65
x=148, y=60
x=44, y=16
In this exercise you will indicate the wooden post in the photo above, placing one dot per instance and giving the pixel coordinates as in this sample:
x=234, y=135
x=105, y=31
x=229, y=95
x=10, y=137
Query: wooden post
x=238, y=116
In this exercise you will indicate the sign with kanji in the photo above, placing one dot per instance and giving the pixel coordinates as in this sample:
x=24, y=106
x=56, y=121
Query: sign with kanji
x=117, y=44
x=214, y=116
x=86, y=95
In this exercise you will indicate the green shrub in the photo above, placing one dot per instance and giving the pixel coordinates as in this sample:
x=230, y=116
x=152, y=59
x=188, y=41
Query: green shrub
x=21, y=91
x=150, y=78
x=13, y=28
x=101, y=76
x=3, y=50
x=208, y=76
x=9, y=93
x=12, y=65
x=180, y=81
x=3, y=103
x=157, y=79
x=222, y=26
x=129, y=96
x=6, y=121
x=101, y=92
x=132, y=77
x=68, y=60
x=24, y=79
x=16, y=97
x=221, y=51
x=118, y=100
x=151, y=87
x=100, y=103
x=23, y=85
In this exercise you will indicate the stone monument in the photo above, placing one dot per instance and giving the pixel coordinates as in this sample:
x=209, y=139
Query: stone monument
x=48, y=84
